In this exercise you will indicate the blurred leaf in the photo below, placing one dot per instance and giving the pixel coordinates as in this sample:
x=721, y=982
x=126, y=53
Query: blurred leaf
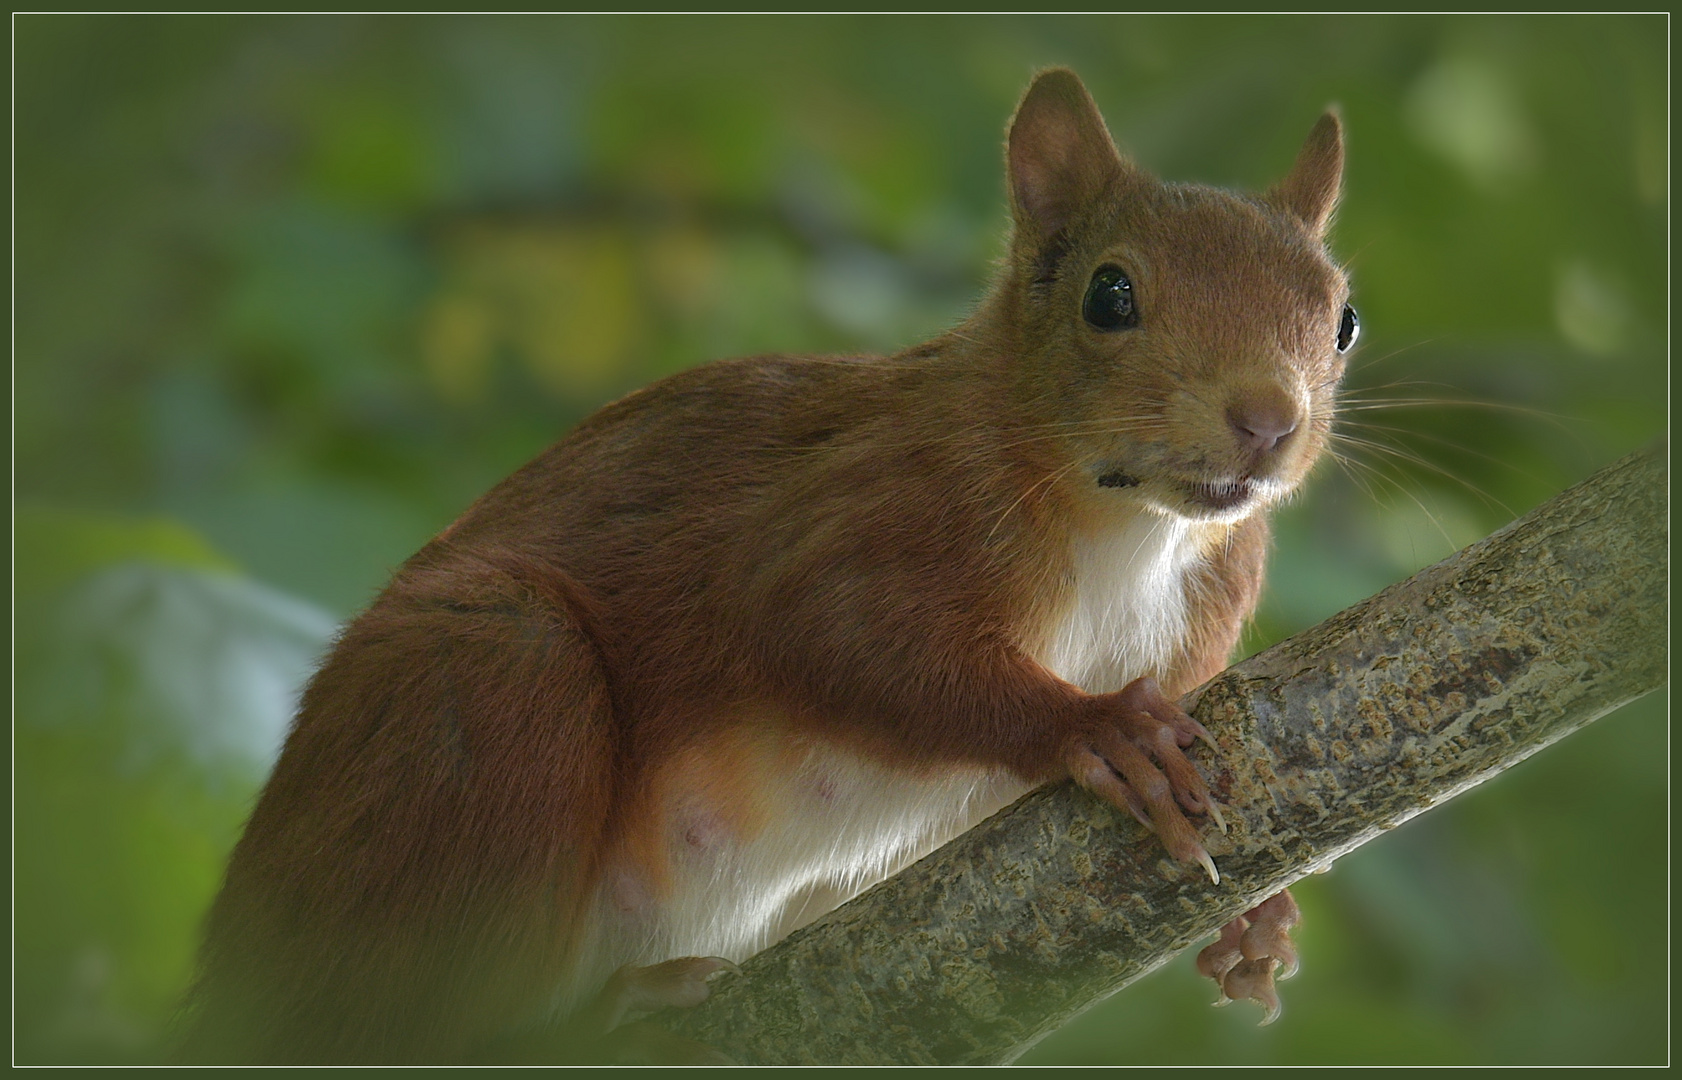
x=55, y=546
x=153, y=690
x=201, y=666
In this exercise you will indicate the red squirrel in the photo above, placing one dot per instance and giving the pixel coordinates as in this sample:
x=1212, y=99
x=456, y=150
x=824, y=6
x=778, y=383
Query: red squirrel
x=753, y=637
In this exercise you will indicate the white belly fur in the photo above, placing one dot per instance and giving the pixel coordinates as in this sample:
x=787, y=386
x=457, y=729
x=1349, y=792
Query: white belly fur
x=839, y=823
x=842, y=823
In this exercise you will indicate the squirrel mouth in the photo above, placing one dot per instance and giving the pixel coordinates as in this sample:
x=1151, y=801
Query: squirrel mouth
x=1226, y=495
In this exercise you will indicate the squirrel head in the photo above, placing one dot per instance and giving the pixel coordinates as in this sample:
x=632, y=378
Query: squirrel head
x=1188, y=340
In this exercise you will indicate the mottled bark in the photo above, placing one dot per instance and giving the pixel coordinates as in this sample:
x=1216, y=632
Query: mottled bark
x=1326, y=740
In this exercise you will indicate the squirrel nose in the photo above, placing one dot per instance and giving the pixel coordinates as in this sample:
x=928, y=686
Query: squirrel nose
x=1261, y=423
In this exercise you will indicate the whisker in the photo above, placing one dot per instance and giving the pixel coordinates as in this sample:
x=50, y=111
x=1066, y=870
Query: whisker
x=1397, y=485
x=1565, y=425
x=1363, y=425
x=1404, y=454
x=1046, y=483
x=1367, y=362
x=1142, y=425
x=1354, y=404
x=1348, y=464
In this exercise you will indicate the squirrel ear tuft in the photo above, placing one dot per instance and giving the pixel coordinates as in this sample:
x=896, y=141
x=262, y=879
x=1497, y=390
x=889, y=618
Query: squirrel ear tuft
x=1311, y=190
x=1060, y=153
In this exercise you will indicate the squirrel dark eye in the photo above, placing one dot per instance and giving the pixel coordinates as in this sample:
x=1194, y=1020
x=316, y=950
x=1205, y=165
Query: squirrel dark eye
x=1348, y=329
x=1109, y=300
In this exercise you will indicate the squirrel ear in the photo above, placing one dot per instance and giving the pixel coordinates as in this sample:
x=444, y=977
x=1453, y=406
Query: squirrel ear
x=1310, y=191
x=1060, y=153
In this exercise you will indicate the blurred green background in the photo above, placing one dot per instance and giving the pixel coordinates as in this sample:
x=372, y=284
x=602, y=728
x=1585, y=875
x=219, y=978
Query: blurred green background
x=291, y=291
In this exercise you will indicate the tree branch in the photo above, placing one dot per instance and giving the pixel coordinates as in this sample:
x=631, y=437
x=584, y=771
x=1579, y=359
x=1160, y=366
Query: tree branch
x=1326, y=740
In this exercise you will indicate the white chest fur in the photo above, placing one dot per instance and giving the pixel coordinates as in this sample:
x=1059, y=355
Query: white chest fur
x=1128, y=609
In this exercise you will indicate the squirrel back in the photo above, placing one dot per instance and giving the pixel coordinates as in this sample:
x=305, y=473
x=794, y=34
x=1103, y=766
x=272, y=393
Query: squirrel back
x=749, y=639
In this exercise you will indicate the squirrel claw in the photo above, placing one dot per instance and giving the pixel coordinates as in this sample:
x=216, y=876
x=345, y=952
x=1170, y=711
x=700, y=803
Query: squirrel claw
x=1209, y=866
x=1253, y=979
x=1254, y=951
x=1215, y=813
x=1133, y=756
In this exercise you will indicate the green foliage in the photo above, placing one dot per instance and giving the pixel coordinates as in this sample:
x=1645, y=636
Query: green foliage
x=155, y=684
x=296, y=289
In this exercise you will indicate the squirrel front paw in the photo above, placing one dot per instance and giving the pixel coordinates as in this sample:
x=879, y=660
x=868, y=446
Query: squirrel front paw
x=1252, y=949
x=1114, y=761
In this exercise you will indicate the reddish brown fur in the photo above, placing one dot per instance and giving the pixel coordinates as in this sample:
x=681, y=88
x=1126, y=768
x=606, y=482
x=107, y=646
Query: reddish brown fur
x=741, y=559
